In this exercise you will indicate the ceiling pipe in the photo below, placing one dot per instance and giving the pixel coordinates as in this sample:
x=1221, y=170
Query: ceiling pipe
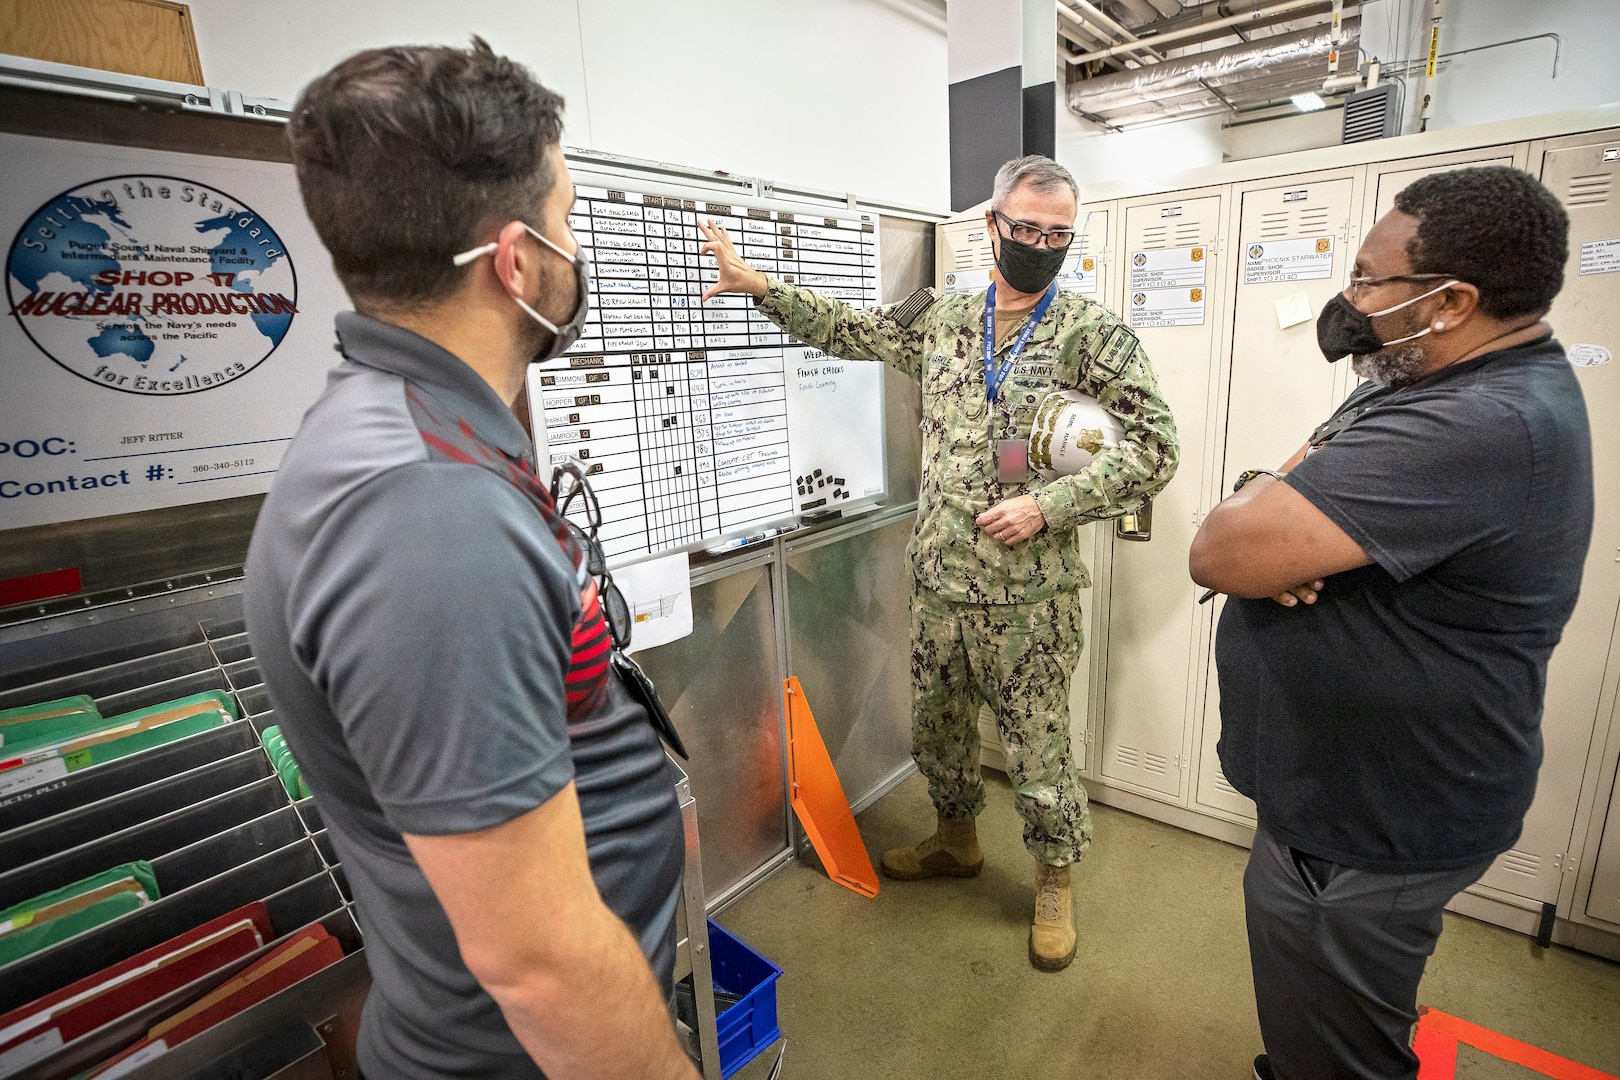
x=1143, y=10
x=1107, y=93
x=1193, y=29
x=1087, y=8
x=1098, y=25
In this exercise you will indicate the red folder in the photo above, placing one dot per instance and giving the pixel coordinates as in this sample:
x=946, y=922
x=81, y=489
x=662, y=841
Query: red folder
x=38, y=1021
x=298, y=958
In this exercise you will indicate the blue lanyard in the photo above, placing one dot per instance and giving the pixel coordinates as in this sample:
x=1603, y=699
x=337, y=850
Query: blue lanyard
x=993, y=377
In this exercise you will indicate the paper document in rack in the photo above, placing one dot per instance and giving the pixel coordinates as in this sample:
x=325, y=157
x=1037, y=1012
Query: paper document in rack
x=658, y=593
x=835, y=421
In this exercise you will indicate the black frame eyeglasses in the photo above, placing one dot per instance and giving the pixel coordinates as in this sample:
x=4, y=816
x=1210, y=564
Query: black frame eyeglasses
x=1356, y=284
x=1025, y=233
x=615, y=609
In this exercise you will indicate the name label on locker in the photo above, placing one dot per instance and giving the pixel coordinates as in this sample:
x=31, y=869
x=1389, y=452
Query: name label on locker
x=1307, y=259
x=1169, y=211
x=1296, y=196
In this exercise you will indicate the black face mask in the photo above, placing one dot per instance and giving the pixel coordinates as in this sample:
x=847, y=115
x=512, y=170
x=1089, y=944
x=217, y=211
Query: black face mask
x=1028, y=269
x=1344, y=330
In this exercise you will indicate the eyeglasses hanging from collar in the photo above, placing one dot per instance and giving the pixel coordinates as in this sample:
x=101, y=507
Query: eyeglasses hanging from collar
x=570, y=491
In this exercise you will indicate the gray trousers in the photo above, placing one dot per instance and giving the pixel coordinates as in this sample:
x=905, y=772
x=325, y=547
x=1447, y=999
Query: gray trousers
x=1337, y=956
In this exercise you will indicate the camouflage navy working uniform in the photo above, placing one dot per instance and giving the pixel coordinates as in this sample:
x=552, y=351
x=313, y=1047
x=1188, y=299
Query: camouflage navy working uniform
x=990, y=622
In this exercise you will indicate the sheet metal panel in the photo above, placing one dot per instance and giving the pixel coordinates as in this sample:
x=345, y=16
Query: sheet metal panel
x=848, y=639
x=722, y=686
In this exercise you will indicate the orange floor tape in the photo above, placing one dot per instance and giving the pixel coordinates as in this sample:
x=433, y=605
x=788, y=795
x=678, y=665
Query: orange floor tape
x=1438, y=1035
x=819, y=801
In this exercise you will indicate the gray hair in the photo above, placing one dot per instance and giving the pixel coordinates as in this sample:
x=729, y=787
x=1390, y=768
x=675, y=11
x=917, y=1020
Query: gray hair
x=1038, y=171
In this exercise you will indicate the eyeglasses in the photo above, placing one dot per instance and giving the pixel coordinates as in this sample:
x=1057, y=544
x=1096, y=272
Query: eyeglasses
x=1357, y=284
x=1025, y=233
x=568, y=484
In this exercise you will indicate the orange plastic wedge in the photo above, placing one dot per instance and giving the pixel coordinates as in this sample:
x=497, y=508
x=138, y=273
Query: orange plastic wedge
x=818, y=799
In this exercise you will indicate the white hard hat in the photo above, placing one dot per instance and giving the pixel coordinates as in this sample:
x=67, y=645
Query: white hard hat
x=1070, y=430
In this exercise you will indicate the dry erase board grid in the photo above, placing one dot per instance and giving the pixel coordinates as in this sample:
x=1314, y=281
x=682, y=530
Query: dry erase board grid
x=679, y=408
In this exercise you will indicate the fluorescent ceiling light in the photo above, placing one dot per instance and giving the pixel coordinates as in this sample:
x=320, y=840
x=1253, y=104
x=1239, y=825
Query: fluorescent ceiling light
x=1308, y=102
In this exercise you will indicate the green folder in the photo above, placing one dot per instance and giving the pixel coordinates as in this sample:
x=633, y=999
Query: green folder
x=26, y=736
x=140, y=870
x=216, y=697
x=143, y=740
x=46, y=709
x=31, y=939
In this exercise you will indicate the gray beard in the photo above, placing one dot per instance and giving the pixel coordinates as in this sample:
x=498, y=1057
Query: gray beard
x=1399, y=365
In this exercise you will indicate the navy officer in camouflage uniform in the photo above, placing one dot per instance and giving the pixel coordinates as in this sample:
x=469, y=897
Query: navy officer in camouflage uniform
x=996, y=567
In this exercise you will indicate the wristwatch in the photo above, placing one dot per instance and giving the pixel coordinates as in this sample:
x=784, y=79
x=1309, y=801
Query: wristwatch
x=1249, y=474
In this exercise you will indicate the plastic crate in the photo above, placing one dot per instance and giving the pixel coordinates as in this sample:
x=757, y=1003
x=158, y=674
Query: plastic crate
x=750, y=1025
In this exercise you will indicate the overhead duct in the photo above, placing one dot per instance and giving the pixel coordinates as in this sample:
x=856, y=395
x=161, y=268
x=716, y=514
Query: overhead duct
x=1217, y=78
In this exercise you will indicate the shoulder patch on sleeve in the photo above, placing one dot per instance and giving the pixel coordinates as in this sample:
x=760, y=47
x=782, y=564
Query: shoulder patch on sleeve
x=906, y=312
x=1115, y=353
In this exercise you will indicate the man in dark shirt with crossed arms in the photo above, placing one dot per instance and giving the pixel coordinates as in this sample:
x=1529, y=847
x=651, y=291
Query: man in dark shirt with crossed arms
x=1397, y=588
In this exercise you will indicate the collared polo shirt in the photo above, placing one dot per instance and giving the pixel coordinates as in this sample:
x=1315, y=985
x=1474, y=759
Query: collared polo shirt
x=437, y=665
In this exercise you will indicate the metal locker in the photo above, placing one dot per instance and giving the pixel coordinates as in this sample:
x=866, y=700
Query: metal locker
x=1172, y=292
x=1584, y=172
x=1388, y=178
x=1293, y=252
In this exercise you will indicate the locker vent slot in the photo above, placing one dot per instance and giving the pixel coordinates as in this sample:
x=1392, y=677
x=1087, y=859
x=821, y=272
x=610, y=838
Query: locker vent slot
x=1274, y=224
x=1313, y=221
x=1154, y=763
x=1522, y=862
x=1127, y=756
x=965, y=258
x=1157, y=236
x=1589, y=190
x=1187, y=234
x=1222, y=784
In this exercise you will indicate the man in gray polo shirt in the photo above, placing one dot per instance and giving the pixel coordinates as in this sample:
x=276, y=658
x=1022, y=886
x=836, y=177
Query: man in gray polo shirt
x=428, y=632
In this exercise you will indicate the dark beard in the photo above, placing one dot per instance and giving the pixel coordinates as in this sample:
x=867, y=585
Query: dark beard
x=1399, y=365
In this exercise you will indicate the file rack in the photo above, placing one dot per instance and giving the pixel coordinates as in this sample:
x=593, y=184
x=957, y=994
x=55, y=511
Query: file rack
x=211, y=815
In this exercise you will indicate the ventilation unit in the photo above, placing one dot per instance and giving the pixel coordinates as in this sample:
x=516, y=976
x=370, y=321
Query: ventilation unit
x=1370, y=114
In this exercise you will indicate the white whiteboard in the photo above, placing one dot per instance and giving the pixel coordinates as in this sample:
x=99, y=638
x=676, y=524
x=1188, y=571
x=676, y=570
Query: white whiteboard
x=698, y=421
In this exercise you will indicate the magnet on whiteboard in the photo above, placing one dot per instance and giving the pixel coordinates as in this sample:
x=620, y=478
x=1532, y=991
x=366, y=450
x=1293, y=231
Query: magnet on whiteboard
x=1589, y=355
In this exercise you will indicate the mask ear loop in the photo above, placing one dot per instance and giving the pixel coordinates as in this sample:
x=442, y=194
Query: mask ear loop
x=1415, y=299
x=490, y=248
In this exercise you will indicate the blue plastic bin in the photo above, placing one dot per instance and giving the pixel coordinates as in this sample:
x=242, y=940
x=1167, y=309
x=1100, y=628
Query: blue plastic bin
x=750, y=1025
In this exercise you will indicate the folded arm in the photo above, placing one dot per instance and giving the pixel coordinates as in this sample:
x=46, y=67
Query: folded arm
x=1267, y=539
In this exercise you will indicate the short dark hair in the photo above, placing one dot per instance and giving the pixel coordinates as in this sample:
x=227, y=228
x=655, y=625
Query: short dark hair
x=1495, y=227
x=405, y=155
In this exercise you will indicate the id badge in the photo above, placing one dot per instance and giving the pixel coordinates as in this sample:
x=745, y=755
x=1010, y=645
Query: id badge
x=1012, y=461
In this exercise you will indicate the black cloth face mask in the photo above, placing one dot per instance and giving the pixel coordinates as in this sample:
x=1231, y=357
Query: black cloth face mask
x=1027, y=268
x=1344, y=330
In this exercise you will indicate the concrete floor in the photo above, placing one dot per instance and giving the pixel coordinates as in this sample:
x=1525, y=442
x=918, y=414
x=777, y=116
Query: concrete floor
x=931, y=979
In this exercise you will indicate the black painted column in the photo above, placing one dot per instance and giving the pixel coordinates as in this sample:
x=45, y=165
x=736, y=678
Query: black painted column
x=1003, y=93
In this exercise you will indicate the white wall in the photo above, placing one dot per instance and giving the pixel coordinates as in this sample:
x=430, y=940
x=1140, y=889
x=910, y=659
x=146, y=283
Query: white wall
x=847, y=95
x=1137, y=154
x=1513, y=80
x=1498, y=84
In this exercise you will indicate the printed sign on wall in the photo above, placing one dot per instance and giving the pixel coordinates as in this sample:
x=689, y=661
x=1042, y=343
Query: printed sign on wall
x=169, y=319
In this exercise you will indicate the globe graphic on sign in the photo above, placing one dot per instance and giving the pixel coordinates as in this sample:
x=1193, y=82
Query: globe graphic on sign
x=151, y=285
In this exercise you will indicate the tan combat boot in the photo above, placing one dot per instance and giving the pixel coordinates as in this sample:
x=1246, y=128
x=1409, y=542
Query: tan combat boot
x=952, y=851
x=1052, y=939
